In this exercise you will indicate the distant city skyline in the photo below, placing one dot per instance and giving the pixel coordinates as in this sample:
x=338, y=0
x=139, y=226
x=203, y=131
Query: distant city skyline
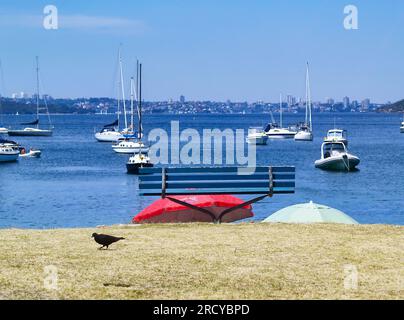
x=232, y=50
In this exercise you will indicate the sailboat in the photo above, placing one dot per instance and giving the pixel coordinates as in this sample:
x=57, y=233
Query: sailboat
x=130, y=143
x=2, y=129
x=275, y=132
x=33, y=129
x=305, y=132
x=139, y=159
x=110, y=132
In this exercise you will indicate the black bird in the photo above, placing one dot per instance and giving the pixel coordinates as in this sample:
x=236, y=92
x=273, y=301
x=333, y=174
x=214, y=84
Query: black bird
x=105, y=240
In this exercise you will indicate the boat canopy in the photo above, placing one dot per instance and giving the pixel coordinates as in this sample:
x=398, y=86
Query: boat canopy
x=113, y=124
x=31, y=123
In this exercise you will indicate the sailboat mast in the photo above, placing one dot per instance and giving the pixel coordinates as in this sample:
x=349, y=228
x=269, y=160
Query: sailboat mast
x=37, y=90
x=131, y=103
x=122, y=88
x=140, y=101
x=280, y=110
x=309, y=97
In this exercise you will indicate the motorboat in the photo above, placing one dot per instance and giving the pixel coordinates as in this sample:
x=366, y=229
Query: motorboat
x=256, y=135
x=402, y=127
x=108, y=134
x=32, y=153
x=3, y=130
x=337, y=135
x=129, y=146
x=305, y=132
x=8, y=153
x=137, y=161
x=335, y=157
x=34, y=129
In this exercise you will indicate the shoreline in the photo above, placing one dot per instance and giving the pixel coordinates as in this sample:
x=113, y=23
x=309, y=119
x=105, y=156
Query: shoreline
x=206, y=261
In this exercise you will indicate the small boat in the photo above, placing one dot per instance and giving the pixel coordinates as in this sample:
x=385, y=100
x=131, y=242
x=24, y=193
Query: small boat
x=8, y=153
x=33, y=153
x=335, y=157
x=129, y=145
x=305, y=132
x=402, y=127
x=256, y=135
x=273, y=131
x=337, y=135
x=137, y=161
x=108, y=134
x=3, y=130
x=35, y=131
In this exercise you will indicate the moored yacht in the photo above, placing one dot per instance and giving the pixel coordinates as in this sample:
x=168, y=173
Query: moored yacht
x=8, y=153
x=137, y=161
x=109, y=133
x=34, y=129
x=337, y=135
x=402, y=127
x=305, y=132
x=256, y=135
x=273, y=131
x=140, y=159
x=335, y=157
x=129, y=145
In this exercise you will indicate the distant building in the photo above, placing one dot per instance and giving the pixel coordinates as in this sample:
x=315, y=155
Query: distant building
x=182, y=99
x=355, y=104
x=330, y=101
x=345, y=102
x=365, y=104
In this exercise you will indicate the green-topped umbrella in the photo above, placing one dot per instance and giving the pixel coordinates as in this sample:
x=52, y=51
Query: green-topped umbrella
x=310, y=213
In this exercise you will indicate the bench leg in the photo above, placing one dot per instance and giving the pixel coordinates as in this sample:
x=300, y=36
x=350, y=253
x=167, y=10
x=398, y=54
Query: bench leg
x=191, y=206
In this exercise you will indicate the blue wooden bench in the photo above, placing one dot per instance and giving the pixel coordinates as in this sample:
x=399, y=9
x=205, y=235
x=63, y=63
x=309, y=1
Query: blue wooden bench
x=263, y=181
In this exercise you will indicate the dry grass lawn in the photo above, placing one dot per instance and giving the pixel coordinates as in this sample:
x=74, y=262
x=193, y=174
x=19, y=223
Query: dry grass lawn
x=200, y=261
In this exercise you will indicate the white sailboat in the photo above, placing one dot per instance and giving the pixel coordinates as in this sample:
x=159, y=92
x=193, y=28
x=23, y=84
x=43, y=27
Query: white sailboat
x=275, y=132
x=111, y=132
x=2, y=129
x=305, y=132
x=139, y=159
x=130, y=144
x=35, y=131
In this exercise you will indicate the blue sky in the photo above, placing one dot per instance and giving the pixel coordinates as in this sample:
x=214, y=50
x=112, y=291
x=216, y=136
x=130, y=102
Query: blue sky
x=239, y=50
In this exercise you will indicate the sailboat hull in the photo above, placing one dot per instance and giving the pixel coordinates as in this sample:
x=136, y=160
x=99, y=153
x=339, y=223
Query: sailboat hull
x=304, y=136
x=34, y=132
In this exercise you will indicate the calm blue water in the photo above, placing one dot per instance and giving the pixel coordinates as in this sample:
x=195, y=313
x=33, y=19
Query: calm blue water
x=80, y=182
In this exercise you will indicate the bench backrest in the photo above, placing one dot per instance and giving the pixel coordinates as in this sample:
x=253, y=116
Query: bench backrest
x=216, y=180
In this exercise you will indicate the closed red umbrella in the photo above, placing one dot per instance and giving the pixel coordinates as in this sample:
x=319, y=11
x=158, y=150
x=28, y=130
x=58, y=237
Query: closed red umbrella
x=166, y=210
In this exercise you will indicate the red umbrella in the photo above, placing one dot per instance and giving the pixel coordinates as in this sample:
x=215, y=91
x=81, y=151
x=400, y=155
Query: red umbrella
x=166, y=210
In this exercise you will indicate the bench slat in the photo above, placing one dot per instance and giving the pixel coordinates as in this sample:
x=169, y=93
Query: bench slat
x=216, y=176
x=215, y=184
x=157, y=192
x=195, y=170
